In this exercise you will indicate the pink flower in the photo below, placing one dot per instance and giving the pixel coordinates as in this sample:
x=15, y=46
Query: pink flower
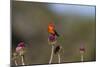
x=20, y=47
x=82, y=48
x=21, y=44
x=52, y=38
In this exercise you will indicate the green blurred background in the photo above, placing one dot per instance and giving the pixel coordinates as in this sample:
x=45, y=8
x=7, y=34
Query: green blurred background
x=75, y=23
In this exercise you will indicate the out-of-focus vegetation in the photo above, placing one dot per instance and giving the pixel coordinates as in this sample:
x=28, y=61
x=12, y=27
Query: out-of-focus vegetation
x=30, y=21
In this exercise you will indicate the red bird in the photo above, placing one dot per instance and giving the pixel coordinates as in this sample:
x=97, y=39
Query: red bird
x=51, y=29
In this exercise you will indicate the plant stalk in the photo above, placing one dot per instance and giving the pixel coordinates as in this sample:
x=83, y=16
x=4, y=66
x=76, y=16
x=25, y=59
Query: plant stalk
x=16, y=63
x=52, y=52
x=22, y=60
x=82, y=57
x=58, y=58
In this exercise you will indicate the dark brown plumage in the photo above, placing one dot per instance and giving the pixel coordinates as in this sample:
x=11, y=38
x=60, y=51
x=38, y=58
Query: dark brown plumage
x=57, y=49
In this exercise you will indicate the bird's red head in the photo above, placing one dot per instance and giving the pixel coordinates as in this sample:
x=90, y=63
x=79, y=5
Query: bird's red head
x=51, y=24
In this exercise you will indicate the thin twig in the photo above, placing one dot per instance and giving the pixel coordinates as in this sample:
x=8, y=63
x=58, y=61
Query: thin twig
x=52, y=52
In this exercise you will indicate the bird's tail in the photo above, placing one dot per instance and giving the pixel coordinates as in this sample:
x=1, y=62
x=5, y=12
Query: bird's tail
x=56, y=33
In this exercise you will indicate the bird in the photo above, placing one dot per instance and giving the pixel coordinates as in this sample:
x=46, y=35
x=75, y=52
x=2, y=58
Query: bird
x=51, y=29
